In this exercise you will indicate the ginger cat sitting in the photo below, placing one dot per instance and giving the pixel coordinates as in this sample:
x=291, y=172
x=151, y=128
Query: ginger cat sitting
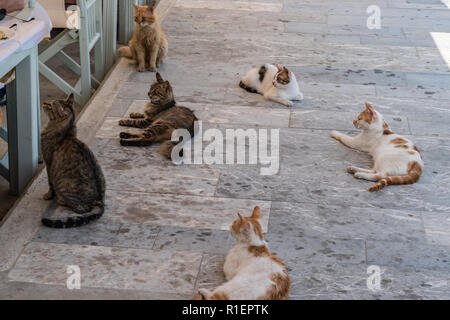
x=396, y=159
x=149, y=43
x=252, y=272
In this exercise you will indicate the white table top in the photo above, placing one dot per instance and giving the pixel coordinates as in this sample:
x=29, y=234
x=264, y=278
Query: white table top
x=28, y=34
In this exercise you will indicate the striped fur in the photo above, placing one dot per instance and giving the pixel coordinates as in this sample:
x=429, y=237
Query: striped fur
x=75, y=178
x=414, y=173
x=160, y=118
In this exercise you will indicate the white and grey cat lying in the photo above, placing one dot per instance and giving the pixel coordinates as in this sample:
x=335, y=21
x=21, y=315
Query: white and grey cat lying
x=274, y=82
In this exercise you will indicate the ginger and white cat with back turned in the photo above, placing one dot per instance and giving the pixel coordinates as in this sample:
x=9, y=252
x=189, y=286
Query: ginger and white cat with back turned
x=396, y=159
x=148, y=44
x=251, y=271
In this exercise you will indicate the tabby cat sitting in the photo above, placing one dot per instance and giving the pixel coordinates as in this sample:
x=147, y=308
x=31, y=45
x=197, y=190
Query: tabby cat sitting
x=74, y=176
x=396, y=159
x=273, y=82
x=160, y=118
x=149, y=43
x=251, y=271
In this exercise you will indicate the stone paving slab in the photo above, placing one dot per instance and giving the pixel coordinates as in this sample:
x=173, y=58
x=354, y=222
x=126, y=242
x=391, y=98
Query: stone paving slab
x=437, y=229
x=308, y=250
x=173, y=179
x=347, y=222
x=317, y=119
x=409, y=256
x=179, y=210
x=337, y=281
x=97, y=233
x=211, y=241
x=230, y=5
x=229, y=114
x=416, y=22
x=106, y=267
x=197, y=94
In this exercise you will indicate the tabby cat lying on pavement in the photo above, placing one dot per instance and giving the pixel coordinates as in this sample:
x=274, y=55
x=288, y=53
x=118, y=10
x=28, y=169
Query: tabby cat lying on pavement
x=160, y=118
x=74, y=176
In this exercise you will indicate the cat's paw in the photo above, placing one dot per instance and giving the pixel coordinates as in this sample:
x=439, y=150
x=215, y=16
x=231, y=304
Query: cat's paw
x=123, y=123
x=135, y=115
x=124, y=135
x=299, y=97
x=351, y=169
x=49, y=195
x=288, y=103
x=335, y=134
x=152, y=68
x=141, y=68
x=205, y=293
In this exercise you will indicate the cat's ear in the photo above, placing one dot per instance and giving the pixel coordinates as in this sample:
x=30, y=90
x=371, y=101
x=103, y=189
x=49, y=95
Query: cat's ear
x=150, y=9
x=159, y=78
x=256, y=213
x=135, y=6
x=369, y=107
x=240, y=217
x=386, y=128
x=278, y=67
x=371, y=110
x=70, y=99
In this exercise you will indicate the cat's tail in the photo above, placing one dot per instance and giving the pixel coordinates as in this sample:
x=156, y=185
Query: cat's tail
x=246, y=87
x=413, y=175
x=74, y=219
x=125, y=52
x=167, y=147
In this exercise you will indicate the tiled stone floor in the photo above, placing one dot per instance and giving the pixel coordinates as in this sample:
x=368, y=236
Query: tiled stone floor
x=164, y=233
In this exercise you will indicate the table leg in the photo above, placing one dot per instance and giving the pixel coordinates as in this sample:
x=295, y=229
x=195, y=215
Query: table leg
x=22, y=113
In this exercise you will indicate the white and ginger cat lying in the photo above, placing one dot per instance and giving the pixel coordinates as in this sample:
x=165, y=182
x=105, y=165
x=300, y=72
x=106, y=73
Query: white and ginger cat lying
x=396, y=159
x=252, y=272
x=273, y=82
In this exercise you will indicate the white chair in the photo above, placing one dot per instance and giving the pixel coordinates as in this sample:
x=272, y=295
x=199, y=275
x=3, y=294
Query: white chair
x=85, y=27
